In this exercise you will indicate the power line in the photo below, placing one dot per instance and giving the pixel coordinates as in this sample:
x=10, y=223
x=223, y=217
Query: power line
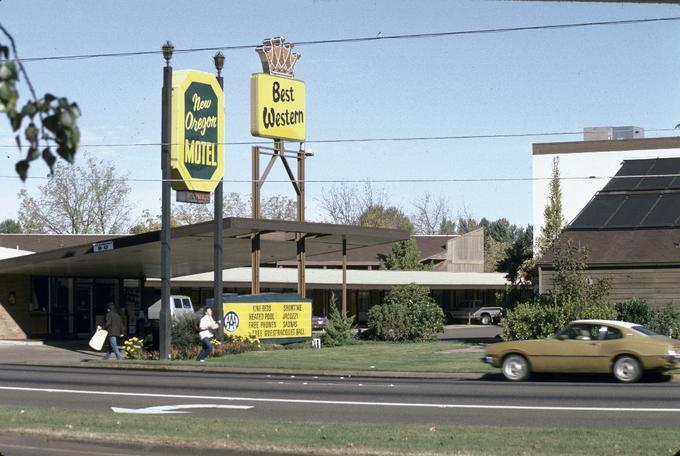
x=364, y=39
x=377, y=181
x=366, y=140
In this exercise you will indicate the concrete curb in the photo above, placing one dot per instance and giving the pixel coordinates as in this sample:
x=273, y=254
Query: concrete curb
x=20, y=343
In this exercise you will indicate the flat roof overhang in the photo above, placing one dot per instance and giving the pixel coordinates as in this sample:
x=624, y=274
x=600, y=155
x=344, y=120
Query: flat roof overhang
x=613, y=145
x=192, y=249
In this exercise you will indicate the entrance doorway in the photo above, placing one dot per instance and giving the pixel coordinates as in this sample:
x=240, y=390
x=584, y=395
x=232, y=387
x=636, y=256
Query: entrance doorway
x=83, y=310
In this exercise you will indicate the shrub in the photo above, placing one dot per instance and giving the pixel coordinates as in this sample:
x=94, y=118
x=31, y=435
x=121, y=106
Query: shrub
x=408, y=313
x=337, y=330
x=634, y=310
x=665, y=321
x=234, y=345
x=530, y=320
x=185, y=342
x=543, y=318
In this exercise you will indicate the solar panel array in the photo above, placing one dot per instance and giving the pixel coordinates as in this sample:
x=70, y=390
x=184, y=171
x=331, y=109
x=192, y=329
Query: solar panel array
x=643, y=194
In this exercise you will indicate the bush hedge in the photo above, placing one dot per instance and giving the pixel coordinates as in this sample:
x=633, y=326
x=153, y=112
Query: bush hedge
x=544, y=317
x=634, y=310
x=408, y=314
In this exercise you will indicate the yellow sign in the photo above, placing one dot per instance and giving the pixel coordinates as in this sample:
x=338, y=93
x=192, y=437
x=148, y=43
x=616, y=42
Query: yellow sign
x=268, y=320
x=197, y=153
x=277, y=107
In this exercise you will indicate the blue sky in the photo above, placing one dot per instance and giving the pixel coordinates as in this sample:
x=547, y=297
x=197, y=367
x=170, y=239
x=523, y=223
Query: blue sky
x=522, y=82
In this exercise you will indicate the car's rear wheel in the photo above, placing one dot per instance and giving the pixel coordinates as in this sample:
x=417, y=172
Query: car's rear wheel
x=627, y=369
x=486, y=319
x=516, y=368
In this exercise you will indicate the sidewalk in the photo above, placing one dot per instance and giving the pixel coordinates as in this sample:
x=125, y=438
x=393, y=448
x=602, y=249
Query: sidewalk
x=46, y=353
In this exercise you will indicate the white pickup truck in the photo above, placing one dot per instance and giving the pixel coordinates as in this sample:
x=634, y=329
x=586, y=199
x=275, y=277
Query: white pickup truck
x=484, y=315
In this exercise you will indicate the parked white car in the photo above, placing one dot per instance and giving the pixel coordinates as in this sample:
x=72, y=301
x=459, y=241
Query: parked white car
x=483, y=315
x=179, y=305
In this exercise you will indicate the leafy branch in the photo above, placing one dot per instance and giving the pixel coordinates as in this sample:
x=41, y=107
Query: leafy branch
x=52, y=121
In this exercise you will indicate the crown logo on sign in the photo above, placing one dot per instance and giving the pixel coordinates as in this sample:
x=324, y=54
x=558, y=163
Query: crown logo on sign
x=277, y=57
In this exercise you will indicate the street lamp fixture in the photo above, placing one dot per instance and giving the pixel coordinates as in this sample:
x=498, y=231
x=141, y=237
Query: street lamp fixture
x=167, y=51
x=219, y=63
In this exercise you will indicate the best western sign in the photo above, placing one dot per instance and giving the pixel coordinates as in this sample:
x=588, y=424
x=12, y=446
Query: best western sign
x=197, y=157
x=277, y=107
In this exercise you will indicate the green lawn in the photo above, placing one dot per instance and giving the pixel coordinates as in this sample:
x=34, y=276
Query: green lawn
x=439, y=356
x=195, y=432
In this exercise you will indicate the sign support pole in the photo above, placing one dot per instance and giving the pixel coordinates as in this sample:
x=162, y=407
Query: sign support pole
x=344, y=276
x=218, y=263
x=255, y=240
x=166, y=138
x=302, y=286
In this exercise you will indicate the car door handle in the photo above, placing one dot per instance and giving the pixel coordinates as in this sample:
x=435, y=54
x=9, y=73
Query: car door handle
x=594, y=343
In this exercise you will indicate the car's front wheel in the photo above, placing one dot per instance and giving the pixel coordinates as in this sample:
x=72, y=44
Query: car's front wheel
x=516, y=368
x=627, y=369
x=486, y=319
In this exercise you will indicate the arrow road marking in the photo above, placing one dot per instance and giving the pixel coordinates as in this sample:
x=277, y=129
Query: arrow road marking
x=165, y=409
x=374, y=404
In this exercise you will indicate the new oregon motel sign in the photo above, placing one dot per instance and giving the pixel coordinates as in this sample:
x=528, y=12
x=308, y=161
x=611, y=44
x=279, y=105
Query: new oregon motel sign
x=197, y=159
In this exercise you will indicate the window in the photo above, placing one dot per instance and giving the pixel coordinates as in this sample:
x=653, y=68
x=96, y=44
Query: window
x=41, y=294
x=178, y=303
x=186, y=303
x=645, y=331
x=608, y=333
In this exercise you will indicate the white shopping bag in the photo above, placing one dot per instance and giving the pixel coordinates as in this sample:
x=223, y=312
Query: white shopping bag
x=97, y=341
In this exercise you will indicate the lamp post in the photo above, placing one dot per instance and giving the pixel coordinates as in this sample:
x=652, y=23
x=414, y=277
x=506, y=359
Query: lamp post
x=218, y=224
x=166, y=138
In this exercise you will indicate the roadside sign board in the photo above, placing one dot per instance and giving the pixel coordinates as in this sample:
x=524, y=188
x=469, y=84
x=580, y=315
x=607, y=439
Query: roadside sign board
x=197, y=151
x=277, y=107
x=275, y=316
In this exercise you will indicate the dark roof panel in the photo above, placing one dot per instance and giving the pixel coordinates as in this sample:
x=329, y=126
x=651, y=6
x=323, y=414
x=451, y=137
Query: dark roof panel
x=636, y=201
x=666, y=166
x=598, y=211
x=629, y=168
x=633, y=211
x=666, y=212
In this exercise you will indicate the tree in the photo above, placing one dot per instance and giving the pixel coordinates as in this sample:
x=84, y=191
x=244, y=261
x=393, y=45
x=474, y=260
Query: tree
x=278, y=207
x=234, y=204
x=404, y=256
x=78, y=200
x=385, y=217
x=10, y=226
x=432, y=215
x=571, y=285
x=344, y=204
x=52, y=121
x=554, y=220
x=518, y=257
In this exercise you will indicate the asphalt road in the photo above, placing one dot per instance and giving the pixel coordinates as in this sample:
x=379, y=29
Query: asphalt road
x=584, y=402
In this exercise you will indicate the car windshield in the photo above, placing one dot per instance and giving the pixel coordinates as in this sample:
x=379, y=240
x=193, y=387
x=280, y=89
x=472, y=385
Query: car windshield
x=643, y=330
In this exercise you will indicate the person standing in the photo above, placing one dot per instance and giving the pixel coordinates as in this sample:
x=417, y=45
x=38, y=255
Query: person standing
x=206, y=325
x=114, y=325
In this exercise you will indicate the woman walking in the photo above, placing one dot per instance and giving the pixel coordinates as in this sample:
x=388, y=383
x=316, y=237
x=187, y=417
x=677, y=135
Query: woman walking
x=206, y=325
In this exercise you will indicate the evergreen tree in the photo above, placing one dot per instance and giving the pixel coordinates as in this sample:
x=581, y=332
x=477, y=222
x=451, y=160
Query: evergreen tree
x=404, y=256
x=554, y=220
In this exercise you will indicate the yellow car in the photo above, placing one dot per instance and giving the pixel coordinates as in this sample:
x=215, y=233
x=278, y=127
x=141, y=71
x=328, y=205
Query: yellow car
x=626, y=350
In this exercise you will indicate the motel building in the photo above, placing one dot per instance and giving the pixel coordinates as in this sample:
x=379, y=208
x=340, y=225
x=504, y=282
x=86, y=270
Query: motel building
x=57, y=286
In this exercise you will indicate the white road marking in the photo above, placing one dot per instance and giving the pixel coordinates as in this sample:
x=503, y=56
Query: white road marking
x=321, y=402
x=166, y=409
x=374, y=385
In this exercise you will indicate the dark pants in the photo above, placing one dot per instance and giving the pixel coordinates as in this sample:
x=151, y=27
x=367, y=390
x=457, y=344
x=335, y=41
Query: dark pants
x=207, y=348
